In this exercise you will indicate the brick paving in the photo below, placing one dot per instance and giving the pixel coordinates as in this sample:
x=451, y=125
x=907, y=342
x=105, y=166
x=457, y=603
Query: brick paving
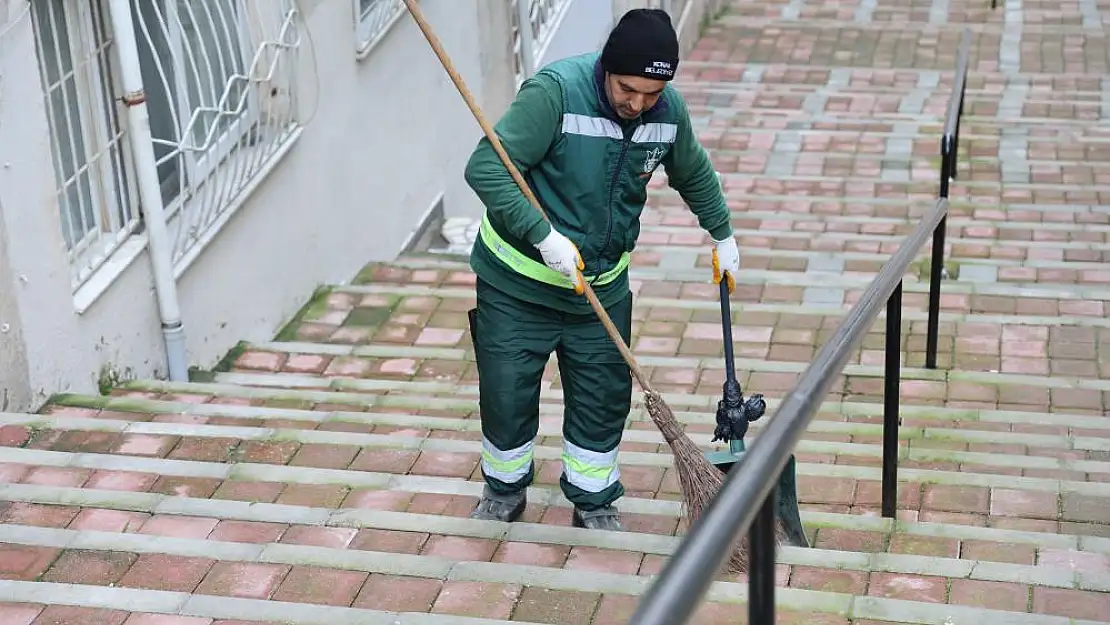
x=326, y=476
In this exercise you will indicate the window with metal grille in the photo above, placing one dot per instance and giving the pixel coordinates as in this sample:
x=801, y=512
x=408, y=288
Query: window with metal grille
x=374, y=18
x=220, y=91
x=96, y=197
x=529, y=42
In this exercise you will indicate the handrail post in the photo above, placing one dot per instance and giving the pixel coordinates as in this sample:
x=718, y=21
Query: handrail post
x=761, y=572
x=949, y=153
x=892, y=377
x=936, y=272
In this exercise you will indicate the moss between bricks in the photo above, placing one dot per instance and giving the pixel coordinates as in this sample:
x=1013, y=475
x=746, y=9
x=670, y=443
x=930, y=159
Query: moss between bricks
x=316, y=307
x=366, y=274
x=371, y=317
x=230, y=357
x=922, y=268
x=73, y=400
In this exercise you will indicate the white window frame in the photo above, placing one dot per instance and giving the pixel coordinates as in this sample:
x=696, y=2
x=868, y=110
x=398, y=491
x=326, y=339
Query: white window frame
x=104, y=160
x=373, y=21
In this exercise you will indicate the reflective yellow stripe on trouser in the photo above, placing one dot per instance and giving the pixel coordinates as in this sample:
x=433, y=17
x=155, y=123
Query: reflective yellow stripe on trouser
x=509, y=466
x=536, y=270
x=591, y=471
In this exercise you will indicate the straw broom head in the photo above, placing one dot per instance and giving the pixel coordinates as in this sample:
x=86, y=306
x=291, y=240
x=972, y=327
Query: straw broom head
x=698, y=479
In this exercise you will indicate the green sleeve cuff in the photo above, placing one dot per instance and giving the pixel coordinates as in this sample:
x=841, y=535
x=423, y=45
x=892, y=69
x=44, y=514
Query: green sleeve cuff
x=722, y=232
x=538, y=232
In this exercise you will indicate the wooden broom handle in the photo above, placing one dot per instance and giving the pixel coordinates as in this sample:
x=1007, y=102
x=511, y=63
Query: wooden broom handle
x=418, y=15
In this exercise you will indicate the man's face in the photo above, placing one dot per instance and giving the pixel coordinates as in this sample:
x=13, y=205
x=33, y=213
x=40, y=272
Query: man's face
x=630, y=96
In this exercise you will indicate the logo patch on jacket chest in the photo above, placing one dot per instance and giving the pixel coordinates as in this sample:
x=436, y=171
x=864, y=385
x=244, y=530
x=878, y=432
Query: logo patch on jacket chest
x=651, y=161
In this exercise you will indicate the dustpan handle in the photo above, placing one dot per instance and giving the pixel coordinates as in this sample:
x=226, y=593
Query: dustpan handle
x=726, y=327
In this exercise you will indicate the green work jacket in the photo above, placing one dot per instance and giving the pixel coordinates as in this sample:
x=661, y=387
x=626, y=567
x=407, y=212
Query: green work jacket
x=590, y=170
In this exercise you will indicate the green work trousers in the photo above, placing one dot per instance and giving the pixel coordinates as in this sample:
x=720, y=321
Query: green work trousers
x=513, y=341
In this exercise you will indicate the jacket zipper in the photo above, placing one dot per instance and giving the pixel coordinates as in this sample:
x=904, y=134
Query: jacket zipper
x=612, y=188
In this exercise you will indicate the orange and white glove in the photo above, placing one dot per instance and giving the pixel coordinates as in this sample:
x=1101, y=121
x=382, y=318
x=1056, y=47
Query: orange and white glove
x=726, y=259
x=560, y=254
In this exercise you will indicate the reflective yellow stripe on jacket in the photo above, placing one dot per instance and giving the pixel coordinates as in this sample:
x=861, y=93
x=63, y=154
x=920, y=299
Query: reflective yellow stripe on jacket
x=537, y=270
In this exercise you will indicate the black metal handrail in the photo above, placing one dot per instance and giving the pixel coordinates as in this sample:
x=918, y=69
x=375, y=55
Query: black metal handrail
x=677, y=591
x=745, y=500
x=949, y=150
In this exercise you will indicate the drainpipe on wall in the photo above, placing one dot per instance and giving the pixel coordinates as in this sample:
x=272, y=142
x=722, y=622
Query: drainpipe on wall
x=150, y=193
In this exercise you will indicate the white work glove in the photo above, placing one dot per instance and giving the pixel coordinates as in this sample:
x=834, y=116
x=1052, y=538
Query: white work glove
x=562, y=255
x=726, y=260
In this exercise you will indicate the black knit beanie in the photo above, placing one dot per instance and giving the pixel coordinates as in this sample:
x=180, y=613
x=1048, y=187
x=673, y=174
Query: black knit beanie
x=643, y=43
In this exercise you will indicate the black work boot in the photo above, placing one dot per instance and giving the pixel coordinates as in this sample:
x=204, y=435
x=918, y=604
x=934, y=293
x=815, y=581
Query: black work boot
x=604, y=518
x=495, y=507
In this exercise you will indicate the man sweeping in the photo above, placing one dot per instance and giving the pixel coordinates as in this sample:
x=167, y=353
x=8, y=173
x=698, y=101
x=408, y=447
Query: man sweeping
x=587, y=133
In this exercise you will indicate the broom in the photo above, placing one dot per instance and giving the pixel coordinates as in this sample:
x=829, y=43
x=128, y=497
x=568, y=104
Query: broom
x=698, y=479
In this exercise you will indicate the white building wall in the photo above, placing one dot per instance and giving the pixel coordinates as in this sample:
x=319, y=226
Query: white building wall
x=387, y=135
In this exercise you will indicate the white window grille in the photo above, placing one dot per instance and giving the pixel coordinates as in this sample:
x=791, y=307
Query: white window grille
x=528, y=45
x=373, y=19
x=220, y=86
x=96, y=198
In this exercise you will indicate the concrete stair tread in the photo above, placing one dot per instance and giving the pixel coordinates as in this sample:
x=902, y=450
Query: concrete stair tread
x=396, y=503
x=405, y=313
x=858, y=200
x=685, y=281
x=938, y=430
x=294, y=541
x=755, y=374
x=440, y=288
x=334, y=440
x=292, y=390
x=280, y=433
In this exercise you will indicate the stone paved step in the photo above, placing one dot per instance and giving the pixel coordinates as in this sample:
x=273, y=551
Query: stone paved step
x=439, y=446
x=252, y=549
x=920, y=181
x=271, y=492
x=433, y=297
x=811, y=247
x=300, y=436
x=732, y=105
x=786, y=249
x=782, y=288
x=681, y=372
x=979, y=172
x=817, y=72
x=1007, y=121
x=904, y=125
x=1042, y=49
x=1072, y=14
x=864, y=134
x=203, y=402
x=997, y=26
x=1052, y=223
x=668, y=230
x=435, y=317
x=723, y=101
x=1069, y=447
x=697, y=78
